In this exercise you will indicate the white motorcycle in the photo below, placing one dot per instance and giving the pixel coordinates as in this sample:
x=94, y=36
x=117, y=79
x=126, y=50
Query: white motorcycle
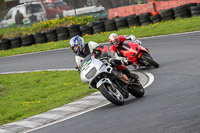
x=112, y=83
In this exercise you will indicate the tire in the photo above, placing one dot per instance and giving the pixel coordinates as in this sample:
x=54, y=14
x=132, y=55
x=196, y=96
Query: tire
x=180, y=7
x=99, y=30
x=144, y=15
x=167, y=15
x=137, y=90
x=85, y=28
x=74, y=28
x=40, y=37
x=110, y=27
x=89, y=32
x=27, y=40
x=61, y=30
x=168, y=18
x=195, y=12
x=195, y=15
x=144, y=20
x=156, y=21
x=194, y=8
x=109, y=22
x=121, y=23
x=51, y=35
x=98, y=25
x=133, y=21
x=110, y=96
x=5, y=44
x=15, y=42
x=182, y=15
x=181, y=11
x=74, y=34
x=62, y=36
x=167, y=11
x=155, y=17
x=149, y=60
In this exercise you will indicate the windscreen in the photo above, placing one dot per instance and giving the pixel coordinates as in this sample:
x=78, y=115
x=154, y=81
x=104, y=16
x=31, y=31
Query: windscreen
x=86, y=61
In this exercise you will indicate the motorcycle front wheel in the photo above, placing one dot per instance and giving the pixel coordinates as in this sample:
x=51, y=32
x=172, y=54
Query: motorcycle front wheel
x=149, y=60
x=111, y=94
x=136, y=90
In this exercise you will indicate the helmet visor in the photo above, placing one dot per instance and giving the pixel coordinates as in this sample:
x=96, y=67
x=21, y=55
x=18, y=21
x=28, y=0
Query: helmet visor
x=75, y=48
x=115, y=42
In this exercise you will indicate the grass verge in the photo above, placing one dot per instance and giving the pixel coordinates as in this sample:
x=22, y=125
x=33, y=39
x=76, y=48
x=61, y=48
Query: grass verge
x=26, y=94
x=163, y=28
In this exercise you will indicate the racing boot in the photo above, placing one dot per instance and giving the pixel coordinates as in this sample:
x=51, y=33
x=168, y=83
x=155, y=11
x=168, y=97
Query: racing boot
x=131, y=75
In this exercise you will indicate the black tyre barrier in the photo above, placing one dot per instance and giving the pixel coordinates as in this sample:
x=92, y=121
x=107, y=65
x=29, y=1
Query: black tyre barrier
x=5, y=44
x=109, y=22
x=156, y=21
x=167, y=14
x=74, y=30
x=110, y=25
x=195, y=10
x=156, y=18
x=182, y=15
x=61, y=30
x=133, y=20
x=167, y=11
x=62, y=33
x=15, y=42
x=195, y=15
x=121, y=22
x=168, y=18
x=98, y=27
x=51, y=35
x=86, y=29
x=145, y=18
x=182, y=11
x=40, y=37
x=27, y=40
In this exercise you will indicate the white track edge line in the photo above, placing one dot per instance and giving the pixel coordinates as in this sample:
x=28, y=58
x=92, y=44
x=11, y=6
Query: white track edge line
x=150, y=81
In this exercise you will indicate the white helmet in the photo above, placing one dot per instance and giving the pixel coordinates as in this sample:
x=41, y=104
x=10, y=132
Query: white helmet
x=77, y=41
x=114, y=39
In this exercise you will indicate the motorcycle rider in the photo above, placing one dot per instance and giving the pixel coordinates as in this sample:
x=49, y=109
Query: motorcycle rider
x=118, y=41
x=82, y=50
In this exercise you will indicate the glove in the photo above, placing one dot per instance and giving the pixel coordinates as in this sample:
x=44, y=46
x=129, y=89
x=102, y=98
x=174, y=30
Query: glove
x=125, y=61
x=104, y=54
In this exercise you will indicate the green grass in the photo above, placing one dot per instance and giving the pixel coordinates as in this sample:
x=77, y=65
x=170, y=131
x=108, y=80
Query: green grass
x=27, y=94
x=163, y=28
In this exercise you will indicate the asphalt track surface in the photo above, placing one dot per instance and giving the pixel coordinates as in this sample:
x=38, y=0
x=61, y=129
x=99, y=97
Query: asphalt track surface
x=171, y=103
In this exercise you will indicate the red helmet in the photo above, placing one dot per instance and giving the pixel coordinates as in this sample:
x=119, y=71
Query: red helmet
x=113, y=38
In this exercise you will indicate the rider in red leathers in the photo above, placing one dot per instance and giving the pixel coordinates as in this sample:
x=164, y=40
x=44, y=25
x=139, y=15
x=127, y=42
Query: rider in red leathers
x=118, y=41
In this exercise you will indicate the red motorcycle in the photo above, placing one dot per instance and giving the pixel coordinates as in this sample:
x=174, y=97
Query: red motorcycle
x=136, y=54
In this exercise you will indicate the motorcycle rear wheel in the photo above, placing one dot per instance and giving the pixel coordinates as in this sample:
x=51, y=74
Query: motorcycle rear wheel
x=136, y=90
x=111, y=94
x=149, y=60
